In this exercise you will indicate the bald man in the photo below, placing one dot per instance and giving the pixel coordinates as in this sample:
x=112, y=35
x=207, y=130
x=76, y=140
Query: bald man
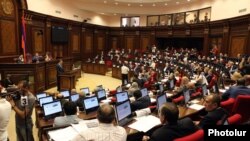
x=106, y=131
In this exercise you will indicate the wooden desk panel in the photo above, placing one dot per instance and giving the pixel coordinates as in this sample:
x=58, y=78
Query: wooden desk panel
x=95, y=68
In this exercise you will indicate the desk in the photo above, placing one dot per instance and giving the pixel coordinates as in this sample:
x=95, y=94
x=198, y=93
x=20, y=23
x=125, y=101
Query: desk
x=95, y=68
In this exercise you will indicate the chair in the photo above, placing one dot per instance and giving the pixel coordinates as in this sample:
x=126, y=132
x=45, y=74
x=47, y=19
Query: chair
x=178, y=99
x=241, y=106
x=196, y=136
x=234, y=119
x=112, y=92
x=228, y=105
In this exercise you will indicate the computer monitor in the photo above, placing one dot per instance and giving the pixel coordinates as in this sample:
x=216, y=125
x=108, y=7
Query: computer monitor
x=123, y=113
x=204, y=90
x=144, y=92
x=44, y=100
x=161, y=99
x=90, y=104
x=40, y=95
x=121, y=97
x=74, y=97
x=65, y=93
x=52, y=109
x=186, y=95
x=85, y=90
x=101, y=94
x=171, y=84
x=161, y=88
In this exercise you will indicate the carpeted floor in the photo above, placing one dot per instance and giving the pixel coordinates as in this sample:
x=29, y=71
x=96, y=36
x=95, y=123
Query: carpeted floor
x=87, y=80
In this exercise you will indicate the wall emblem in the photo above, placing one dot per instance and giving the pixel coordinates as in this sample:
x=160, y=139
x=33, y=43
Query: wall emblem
x=7, y=6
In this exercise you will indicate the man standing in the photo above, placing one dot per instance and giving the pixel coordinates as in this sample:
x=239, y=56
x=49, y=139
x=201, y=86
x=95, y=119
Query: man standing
x=23, y=108
x=59, y=70
x=124, y=72
x=5, y=110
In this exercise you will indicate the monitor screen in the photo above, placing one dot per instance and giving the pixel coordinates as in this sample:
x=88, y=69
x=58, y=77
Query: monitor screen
x=65, y=93
x=186, y=96
x=85, y=90
x=52, y=108
x=171, y=84
x=74, y=97
x=161, y=99
x=90, y=102
x=101, y=94
x=122, y=96
x=44, y=100
x=204, y=90
x=161, y=88
x=123, y=110
x=144, y=92
x=59, y=34
x=40, y=95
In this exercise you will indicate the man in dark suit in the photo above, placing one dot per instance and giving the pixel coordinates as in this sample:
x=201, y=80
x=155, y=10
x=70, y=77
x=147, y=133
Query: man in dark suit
x=171, y=128
x=214, y=112
x=140, y=102
x=59, y=70
x=7, y=81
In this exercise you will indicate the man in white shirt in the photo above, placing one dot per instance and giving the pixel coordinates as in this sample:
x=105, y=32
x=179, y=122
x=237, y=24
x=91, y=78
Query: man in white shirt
x=124, y=72
x=106, y=131
x=5, y=110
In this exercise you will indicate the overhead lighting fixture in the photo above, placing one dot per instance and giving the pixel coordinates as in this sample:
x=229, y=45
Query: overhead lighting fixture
x=153, y=4
x=141, y=5
x=129, y=4
x=102, y=13
x=115, y=14
x=116, y=3
x=165, y=4
x=188, y=0
x=105, y=1
x=177, y=2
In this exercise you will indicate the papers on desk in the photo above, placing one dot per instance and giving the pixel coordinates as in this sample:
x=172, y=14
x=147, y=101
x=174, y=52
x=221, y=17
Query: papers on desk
x=169, y=94
x=194, y=101
x=68, y=133
x=196, y=107
x=145, y=123
x=106, y=101
x=222, y=90
x=152, y=100
x=143, y=112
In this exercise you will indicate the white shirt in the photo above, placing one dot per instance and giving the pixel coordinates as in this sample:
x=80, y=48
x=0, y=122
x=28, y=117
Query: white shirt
x=5, y=110
x=124, y=69
x=104, y=132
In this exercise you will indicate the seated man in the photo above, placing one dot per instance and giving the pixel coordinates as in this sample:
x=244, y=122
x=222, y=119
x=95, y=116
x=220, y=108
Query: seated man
x=140, y=102
x=214, y=112
x=106, y=131
x=234, y=91
x=171, y=128
x=70, y=117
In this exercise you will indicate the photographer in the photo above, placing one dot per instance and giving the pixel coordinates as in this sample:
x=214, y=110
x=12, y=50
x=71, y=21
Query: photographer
x=5, y=108
x=23, y=111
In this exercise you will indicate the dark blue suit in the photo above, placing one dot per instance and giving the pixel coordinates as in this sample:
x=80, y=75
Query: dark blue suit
x=59, y=70
x=234, y=91
x=141, y=103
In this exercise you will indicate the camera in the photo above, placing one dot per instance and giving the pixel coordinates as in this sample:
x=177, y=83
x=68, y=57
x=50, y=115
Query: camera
x=14, y=93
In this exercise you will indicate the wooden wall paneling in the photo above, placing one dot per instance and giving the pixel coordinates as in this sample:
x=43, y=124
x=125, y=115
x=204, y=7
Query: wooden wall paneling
x=248, y=38
x=179, y=31
x=51, y=74
x=206, y=41
x=129, y=42
x=225, y=38
x=114, y=42
x=237, y=45
x=75, y=42
x=144, y=42
x=8, y=37
x=40, y=78
x=38, y=41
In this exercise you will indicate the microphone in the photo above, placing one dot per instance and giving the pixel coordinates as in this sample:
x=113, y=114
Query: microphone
x=24, y=101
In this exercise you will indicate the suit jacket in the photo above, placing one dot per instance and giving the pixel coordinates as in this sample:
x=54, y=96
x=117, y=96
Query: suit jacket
x=211, y=118
x=141, y=103
x=170, y=132
x=59, y=69
x=234, y=91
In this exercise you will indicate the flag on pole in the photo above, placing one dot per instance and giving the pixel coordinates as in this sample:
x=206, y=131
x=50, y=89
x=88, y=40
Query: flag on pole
x=23, y=38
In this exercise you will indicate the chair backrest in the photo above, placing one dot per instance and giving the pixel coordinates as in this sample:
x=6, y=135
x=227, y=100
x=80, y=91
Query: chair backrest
x=196, y=136
x=241, y=106
x=234, y=119
x=228, y=105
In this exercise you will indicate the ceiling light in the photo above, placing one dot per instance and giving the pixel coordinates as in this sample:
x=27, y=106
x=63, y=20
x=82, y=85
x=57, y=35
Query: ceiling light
x=115, y=14
x=165, y=4
x=188, y=0
x=177, y=2
x=116, y=3
x=105, y=1
x=129, y=4
x=102, y=13
x=141, y=5
x=153, y=4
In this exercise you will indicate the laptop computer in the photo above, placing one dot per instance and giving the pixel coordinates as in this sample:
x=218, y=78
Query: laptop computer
x=101, y=94
x=65, y=93
x=74, y=97
x=160, y=100
x=40, y=95
x=121, y=96
x=44, y=100
x=123, y=113
x=90, y=104
x=52, y=109
x=144, y=92
x=85, y=90
x=186, y=95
